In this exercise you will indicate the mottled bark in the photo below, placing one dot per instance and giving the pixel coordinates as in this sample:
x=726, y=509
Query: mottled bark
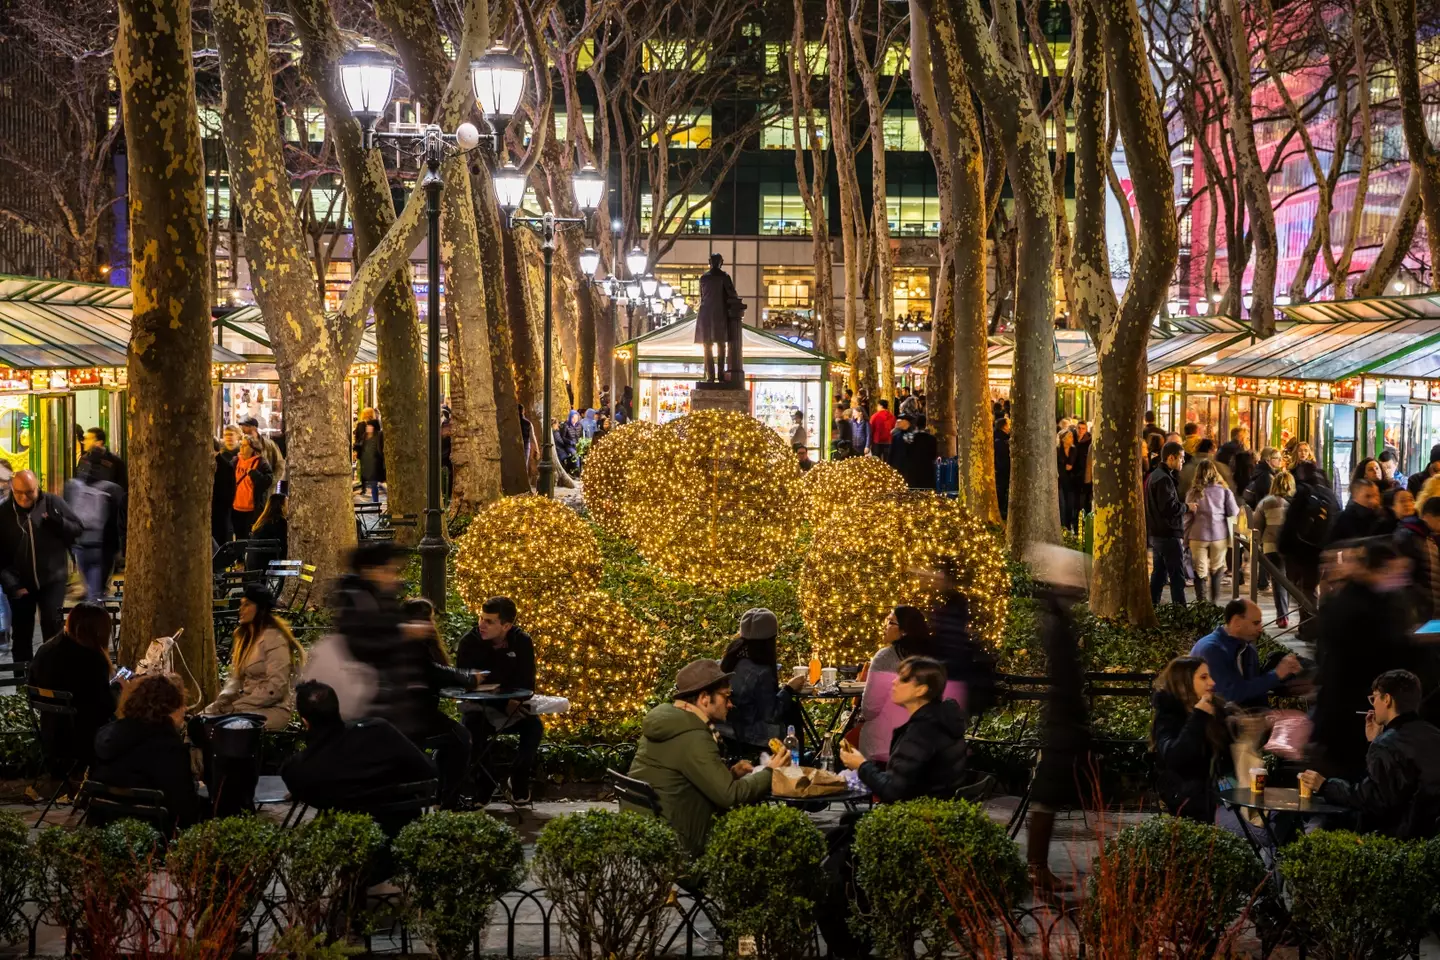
x=883, y=337
x=530, y=263
x=514, y=475
x=963, y=226
x=1398, y=26
x=1233, y=50
x=522, y=342
x=474, y=446
x=1340, y=266
x=812, y=179
x=1120, y=587
x=1005, y=92
x=401, y=377
x=311, y=353
x=852, y=230
x=167, y=575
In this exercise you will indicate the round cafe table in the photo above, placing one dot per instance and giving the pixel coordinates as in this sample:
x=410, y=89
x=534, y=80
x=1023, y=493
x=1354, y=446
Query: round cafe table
x=492, y=697
x=850, y=798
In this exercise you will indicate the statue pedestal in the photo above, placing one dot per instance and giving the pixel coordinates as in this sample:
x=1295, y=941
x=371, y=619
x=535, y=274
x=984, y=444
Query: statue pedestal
x=707, y=396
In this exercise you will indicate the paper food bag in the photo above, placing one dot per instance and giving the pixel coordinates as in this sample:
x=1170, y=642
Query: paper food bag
x=806, y=782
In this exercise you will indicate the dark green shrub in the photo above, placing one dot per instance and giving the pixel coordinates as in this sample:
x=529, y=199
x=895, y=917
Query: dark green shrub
x=216, y=860
x=1171, y=884
x=324, y=863
x=915, y=861
x=17, y=875
x=610, y=876
x=1358, y=896
x=453, y=867
x=762, y=870
x=90, y=872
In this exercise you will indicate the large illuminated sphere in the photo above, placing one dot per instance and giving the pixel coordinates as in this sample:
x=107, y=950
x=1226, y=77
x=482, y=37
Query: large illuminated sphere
x=606, y=466
x=713, y=498
x=590, y=650
x=527, y=548
x=858, y=567
x=846, y=486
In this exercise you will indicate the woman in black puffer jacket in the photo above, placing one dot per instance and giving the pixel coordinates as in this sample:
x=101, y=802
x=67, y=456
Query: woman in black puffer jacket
x=1191, y=739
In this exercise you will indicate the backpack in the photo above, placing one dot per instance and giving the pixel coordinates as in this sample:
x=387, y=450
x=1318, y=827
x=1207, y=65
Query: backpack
x=91, y=506
x=1308, y=521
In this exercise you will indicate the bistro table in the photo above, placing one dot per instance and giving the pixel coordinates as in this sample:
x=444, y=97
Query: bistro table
x=489, y=695
x=838, y=707
x=852, y=799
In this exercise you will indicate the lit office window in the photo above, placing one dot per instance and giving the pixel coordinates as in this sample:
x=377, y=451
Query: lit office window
x=783, y=211
x=817, y=57
x=779, y=133
x=913, y=210
x=562, y=123
x=690, y=132
x=314, y=118
x=902, y=130
x=673, y=55
x=699, y=221
x=897, y=60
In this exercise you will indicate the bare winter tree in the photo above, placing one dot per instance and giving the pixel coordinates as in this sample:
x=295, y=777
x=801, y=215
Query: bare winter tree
x=812, y=172
x=59, y=190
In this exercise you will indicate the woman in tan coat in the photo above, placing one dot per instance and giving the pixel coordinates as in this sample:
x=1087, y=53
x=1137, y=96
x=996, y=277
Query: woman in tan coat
x=264, y=664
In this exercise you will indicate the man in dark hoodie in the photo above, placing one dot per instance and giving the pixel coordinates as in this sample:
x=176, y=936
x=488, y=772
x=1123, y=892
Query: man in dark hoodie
x=1165, y=525
x=927, y=753
x=1360, y=516
x=344, y=766
x=1400, y=796
x=498, y=648
x=100, y=463
x=1002, y=465
x=36, y=533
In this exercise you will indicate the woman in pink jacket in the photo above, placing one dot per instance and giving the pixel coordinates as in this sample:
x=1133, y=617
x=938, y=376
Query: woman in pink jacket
x=907, y=634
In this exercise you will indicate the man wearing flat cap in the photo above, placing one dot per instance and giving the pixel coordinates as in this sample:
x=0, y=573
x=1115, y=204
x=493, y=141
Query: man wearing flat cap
x=679, y=757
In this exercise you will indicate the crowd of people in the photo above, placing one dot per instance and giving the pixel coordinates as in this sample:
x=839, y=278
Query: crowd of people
x=370, y=692
x=864, y=426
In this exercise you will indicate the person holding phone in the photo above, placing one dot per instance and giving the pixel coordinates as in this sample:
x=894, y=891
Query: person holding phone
x=77, y=661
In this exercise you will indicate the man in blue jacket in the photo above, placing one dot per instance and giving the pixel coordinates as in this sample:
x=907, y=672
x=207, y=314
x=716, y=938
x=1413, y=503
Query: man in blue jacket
x=1235, y=663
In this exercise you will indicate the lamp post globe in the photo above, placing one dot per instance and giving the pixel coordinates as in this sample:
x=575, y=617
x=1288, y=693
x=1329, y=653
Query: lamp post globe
x=665, y=291
x=498, y=79
x=589, y=188
x=367, y=78
x=510, y=184
x=589, y=261
x=648, y=285
x=636, y=261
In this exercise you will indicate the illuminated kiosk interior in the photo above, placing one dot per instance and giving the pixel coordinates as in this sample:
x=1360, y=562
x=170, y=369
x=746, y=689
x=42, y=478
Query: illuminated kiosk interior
x=781, y=377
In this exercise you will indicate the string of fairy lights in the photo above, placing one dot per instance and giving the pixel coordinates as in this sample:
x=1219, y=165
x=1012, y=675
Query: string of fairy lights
x=713, y=498
x=716, y=499
x=606, y=467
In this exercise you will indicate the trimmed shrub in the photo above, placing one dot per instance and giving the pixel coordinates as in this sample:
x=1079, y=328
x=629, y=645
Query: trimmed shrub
x=1169, y=884
x=219, y=860
x=916, y=861
x=453, y=867
x=92, y=875
x=610, y=876
x=762, y=870
x=17, y=875
x=323, y=864
x=1358, y=896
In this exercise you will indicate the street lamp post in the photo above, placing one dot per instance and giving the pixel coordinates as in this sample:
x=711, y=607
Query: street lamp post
x=367, y=78
x=589, y=187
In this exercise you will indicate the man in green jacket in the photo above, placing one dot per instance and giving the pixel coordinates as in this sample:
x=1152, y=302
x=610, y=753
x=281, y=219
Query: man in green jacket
x=679, y=757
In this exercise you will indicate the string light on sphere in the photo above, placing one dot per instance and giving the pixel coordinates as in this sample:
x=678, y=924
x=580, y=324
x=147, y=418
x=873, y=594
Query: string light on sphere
x=606, y=466
x=853, y=574
x=713, y=498
x=530, y=549
x=841, y=486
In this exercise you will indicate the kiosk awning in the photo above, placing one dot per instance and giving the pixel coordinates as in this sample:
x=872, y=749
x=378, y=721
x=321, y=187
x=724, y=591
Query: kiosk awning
x=1167, y=353
x=53, y=324
x=677, y=342
x=1328, y=351
x=243, y=330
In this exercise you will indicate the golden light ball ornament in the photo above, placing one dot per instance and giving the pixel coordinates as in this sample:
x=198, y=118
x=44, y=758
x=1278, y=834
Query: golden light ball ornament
x=589, y=649
x=527, y=548
x=857, y=569
x=606, y=466
x=843, y=486
x=712, y=498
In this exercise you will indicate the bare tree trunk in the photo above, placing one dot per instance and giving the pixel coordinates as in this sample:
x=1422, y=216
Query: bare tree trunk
x=1004, y=90
x=883, y=289
x=1398, y=27
x=812, y=182
x=167, y=572
x=1398, y=239
x=852, y=230
x=397, y=321
x=527, y=363
x=1253, y=180
x=1120, y=587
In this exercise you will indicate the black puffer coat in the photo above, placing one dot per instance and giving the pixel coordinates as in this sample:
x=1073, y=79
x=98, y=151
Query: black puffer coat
x=1188, y=757
x=1400, y=796
x=927, y=756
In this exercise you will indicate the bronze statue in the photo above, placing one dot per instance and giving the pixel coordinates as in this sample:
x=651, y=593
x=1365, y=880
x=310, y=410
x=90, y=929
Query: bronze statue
x=718, y=325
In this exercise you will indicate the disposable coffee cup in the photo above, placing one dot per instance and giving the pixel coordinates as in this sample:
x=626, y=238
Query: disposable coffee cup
x=800, y=670
x=1257, y=779
x=828, y=675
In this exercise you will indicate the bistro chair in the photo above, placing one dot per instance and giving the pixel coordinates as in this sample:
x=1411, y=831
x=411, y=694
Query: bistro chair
x=106, y=804
x=638, y=792
x=60, y=705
